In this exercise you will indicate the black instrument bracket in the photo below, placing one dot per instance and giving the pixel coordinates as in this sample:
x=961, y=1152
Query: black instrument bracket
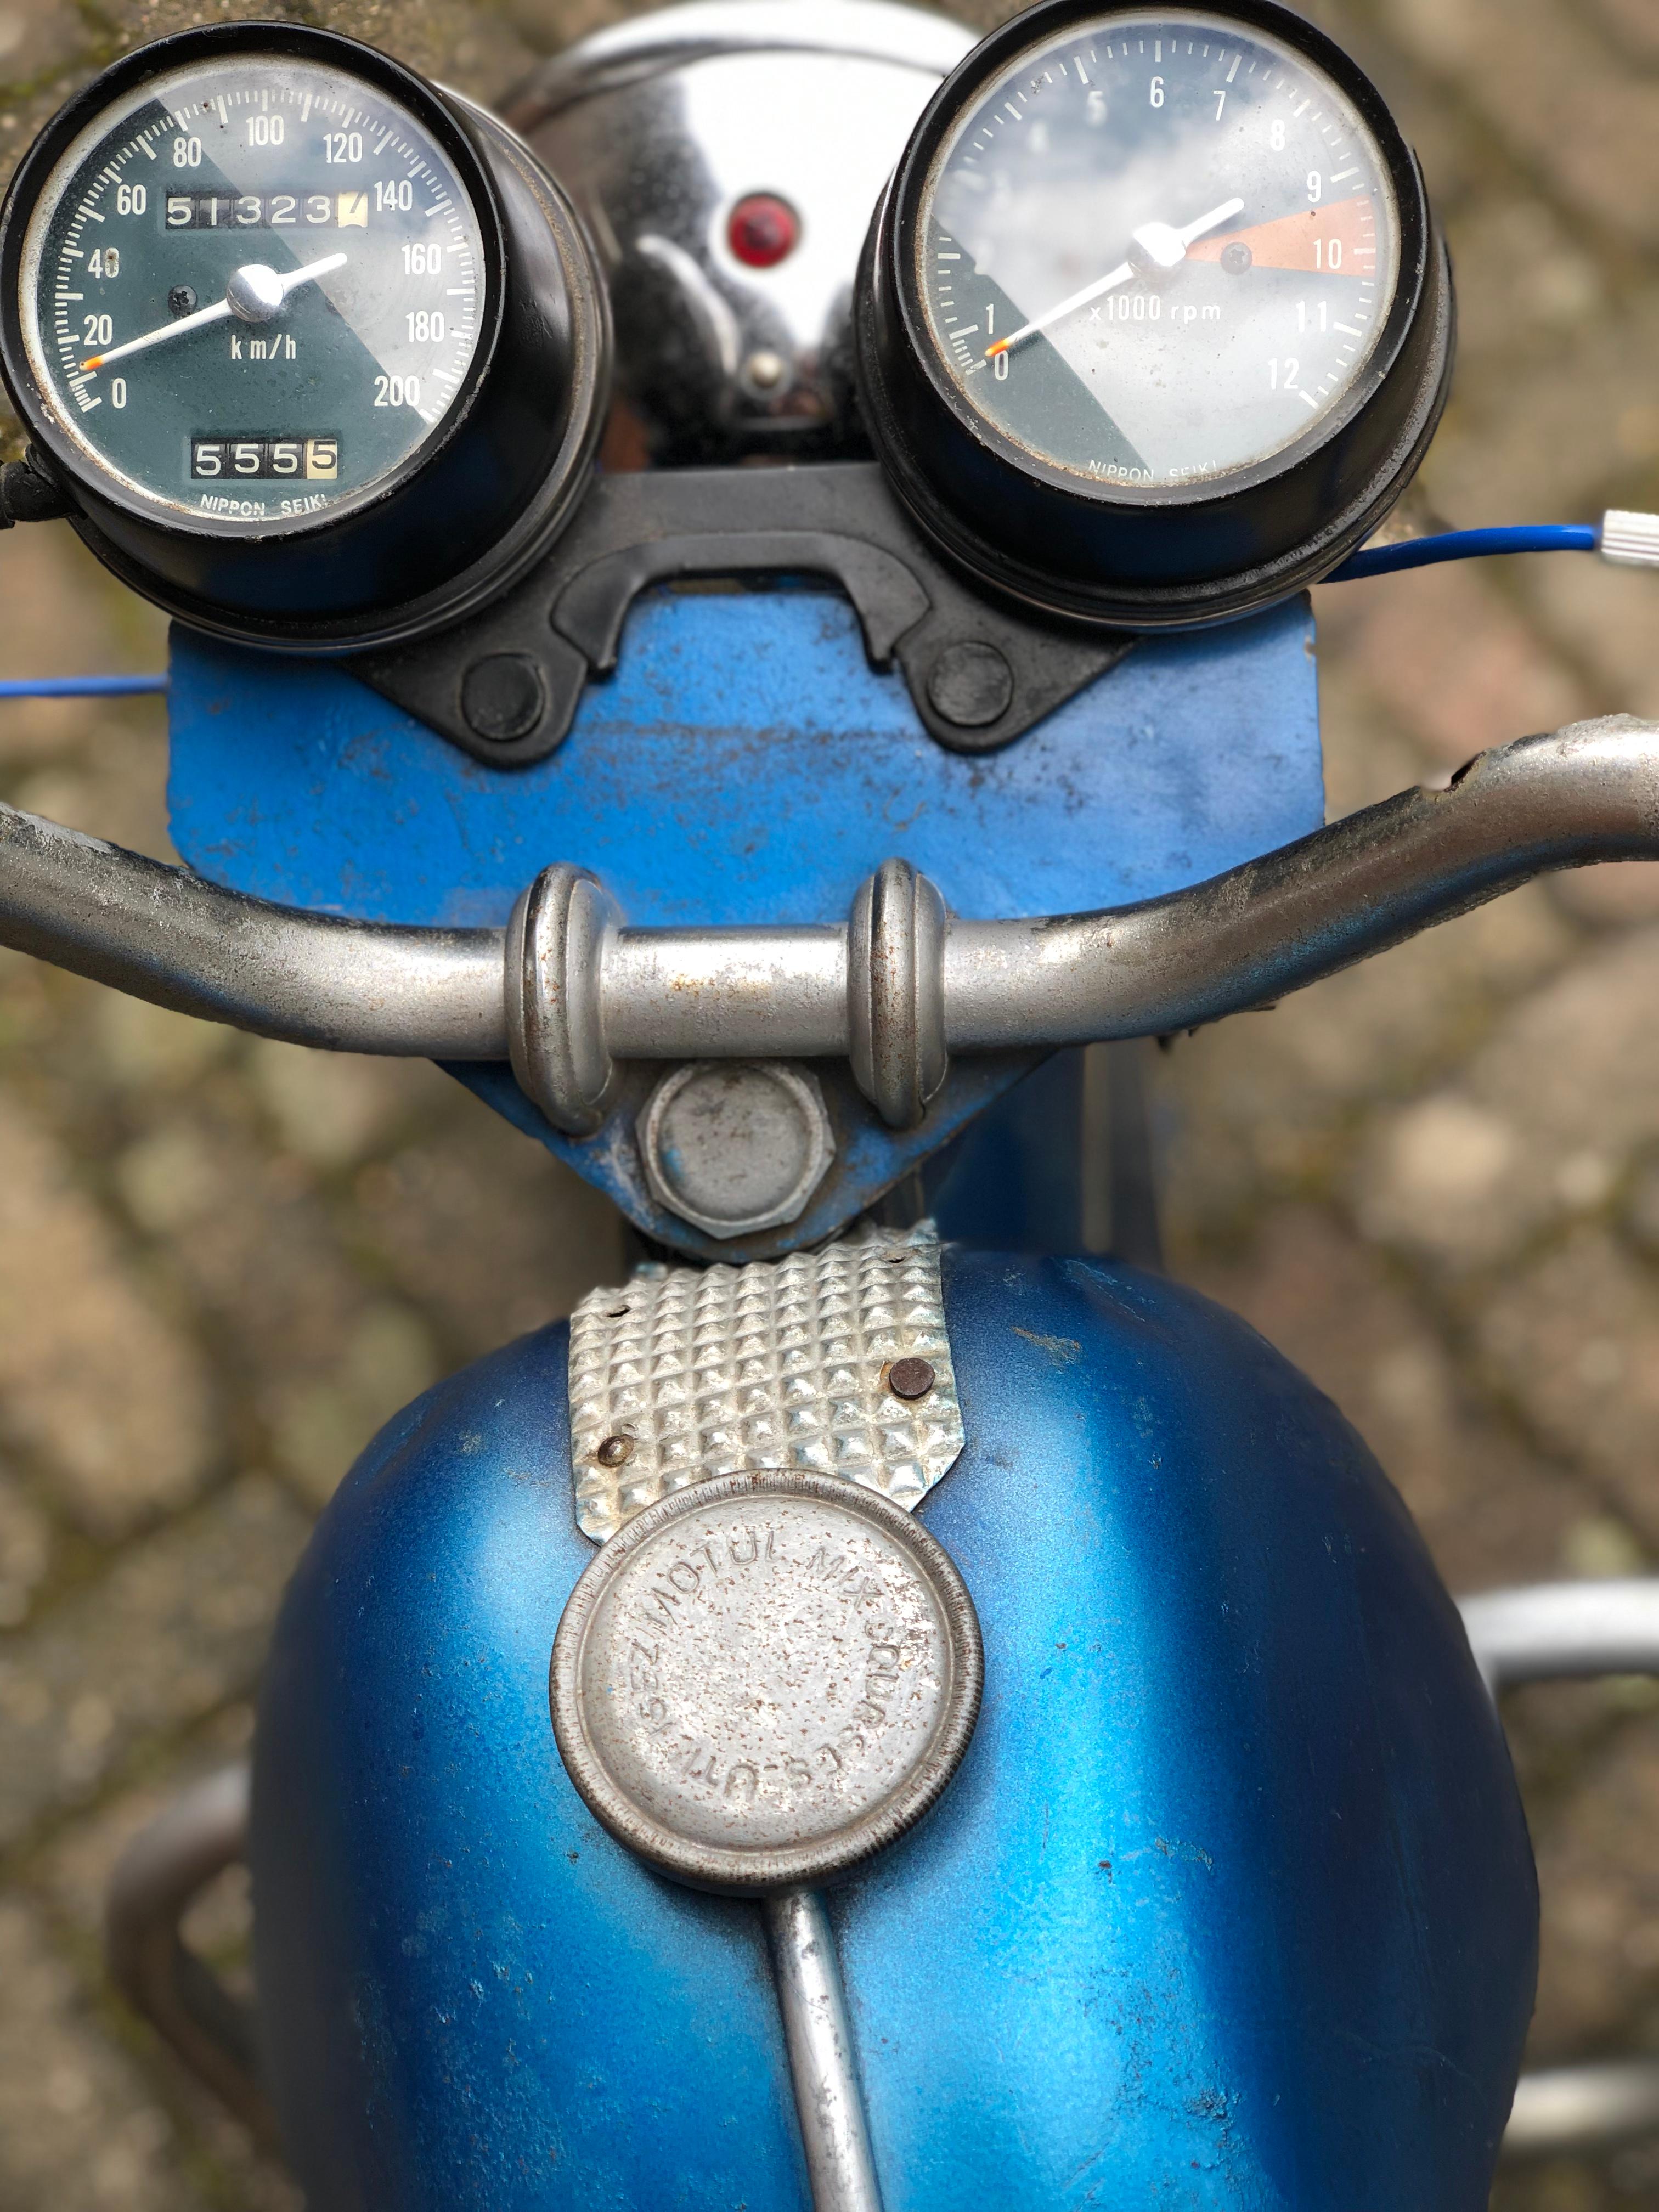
x=505, y=684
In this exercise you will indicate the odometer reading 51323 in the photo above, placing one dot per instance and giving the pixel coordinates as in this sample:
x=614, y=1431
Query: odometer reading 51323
x=252, y=291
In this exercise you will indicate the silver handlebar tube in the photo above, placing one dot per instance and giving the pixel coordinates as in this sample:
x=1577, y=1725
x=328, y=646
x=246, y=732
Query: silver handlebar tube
x=925, y=988
x=1587, y=793
x=163, y=934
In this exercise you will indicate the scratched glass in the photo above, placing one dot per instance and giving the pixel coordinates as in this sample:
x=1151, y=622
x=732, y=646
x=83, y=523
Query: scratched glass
x=252, y=291
x=1158, y=252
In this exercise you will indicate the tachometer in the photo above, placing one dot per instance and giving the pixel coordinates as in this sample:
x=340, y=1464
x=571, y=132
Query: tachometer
x=1158, y=325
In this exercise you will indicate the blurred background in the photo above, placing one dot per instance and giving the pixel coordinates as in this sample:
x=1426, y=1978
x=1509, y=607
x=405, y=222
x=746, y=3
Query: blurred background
x=1434, y=1181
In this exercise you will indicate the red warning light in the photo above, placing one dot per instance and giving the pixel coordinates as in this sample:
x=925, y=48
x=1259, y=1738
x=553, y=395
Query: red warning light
x=763, y=230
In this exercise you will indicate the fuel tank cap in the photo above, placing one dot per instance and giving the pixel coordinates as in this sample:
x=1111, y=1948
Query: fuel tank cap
x=764, y=1680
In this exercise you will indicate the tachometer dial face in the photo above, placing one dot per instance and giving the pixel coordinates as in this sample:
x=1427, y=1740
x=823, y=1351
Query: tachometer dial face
x=252, y=291
x=1158, y=250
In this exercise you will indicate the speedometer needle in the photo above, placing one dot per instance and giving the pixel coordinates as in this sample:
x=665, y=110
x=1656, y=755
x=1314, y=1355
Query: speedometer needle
x=1160, y=243
x=254, y=295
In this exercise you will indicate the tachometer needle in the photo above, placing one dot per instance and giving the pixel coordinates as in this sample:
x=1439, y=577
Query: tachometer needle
x=1160, y=243
x=253, y=295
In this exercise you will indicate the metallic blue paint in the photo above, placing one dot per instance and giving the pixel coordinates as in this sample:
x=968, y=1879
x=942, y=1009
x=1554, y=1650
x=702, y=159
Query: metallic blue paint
x=1230, y=1905
x=746, y=764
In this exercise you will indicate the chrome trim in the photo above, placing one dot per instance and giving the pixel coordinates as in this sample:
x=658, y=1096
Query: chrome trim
x=668, y=38
x=1565, y=1632
x=834, y=2132
x=1561, y=1631
x=157, y=1879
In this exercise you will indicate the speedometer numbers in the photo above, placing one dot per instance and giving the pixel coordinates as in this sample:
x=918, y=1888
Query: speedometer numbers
x=260, y=286
x=237, y=245
x=1158, y=323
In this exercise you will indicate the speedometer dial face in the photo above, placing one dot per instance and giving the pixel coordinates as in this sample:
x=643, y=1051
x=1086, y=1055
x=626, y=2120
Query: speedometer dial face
x=252, y=292
x=1158, y=250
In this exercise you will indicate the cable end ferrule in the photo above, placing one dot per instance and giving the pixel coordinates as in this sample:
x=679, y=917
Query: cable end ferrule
x=1629, y=539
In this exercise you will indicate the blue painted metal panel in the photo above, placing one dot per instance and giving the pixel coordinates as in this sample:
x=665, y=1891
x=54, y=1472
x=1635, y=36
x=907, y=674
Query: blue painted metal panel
x=1230, y=1905
x=746, y=764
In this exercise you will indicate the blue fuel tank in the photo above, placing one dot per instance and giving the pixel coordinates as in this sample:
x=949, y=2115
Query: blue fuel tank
x=1230, y=1905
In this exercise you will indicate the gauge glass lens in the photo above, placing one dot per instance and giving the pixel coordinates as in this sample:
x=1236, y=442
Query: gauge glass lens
x=1158, y=252
x=252, y=292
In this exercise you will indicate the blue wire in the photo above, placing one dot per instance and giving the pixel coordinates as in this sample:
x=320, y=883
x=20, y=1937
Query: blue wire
x=1466, y=545
x=78, y=687
x=1370, y=561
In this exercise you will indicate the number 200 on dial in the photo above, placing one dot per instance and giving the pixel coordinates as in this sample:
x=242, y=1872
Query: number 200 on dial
x=251, y=292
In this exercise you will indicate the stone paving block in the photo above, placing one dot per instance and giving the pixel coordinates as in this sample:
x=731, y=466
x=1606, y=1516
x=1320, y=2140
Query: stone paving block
x=1599, y=1963
x=72, y=1877
x=1268, y=1103
x=1574, y=1338
x=1524, y=279
x=94, y=1379
x=1444, y=652
x=80, y=2132
x=26, y=1550
x=176, y=1629
x=1545, y=78
x=1632, y=28
x=1558, y=439
x=331, y=1109
x=319, y=1423
x=1606, y=618
x=38, y=38
x=1490, y=1510
x=485, y=1228
x=1541, y=1125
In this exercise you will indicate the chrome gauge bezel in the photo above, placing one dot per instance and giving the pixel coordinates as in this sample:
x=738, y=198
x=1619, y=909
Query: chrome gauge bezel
x=446, y=527
x=1122, y=554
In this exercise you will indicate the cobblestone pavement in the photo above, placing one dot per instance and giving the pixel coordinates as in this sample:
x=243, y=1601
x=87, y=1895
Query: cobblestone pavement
x=1435, y=1181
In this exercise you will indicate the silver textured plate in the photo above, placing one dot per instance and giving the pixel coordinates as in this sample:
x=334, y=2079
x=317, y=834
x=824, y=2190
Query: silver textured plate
x=764, y=1680
x=695, y=1372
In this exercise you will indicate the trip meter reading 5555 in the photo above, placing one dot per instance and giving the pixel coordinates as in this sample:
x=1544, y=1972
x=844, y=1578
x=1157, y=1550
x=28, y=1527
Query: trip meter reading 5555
x=317, y=353
x=252, y=290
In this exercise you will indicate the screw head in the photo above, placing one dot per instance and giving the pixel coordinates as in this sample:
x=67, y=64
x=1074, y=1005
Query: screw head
x=181, y=301
x=765, y=369
x=615, y=1451
x=971, y=685
x=503, y=697
x=910, y=1378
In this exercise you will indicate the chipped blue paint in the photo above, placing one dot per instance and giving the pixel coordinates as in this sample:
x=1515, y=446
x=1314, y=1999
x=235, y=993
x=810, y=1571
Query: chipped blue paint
x=745, y=764
x=1230, y=1907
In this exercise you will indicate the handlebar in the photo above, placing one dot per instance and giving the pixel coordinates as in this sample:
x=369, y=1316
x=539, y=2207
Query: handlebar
x=568, y=988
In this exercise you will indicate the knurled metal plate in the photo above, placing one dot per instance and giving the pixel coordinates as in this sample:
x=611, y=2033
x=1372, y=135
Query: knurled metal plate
x=782, y=1364
x=761, y=1681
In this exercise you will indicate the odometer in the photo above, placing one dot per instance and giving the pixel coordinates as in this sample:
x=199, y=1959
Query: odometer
x=259, y=284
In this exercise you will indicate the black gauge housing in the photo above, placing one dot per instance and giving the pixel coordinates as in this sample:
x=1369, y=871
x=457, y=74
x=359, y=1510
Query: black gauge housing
x=1115, y=554
x=472, y=507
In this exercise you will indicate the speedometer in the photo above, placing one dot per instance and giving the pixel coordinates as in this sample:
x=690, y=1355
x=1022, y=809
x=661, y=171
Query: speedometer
x=1157, y=324
x=262, y=288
